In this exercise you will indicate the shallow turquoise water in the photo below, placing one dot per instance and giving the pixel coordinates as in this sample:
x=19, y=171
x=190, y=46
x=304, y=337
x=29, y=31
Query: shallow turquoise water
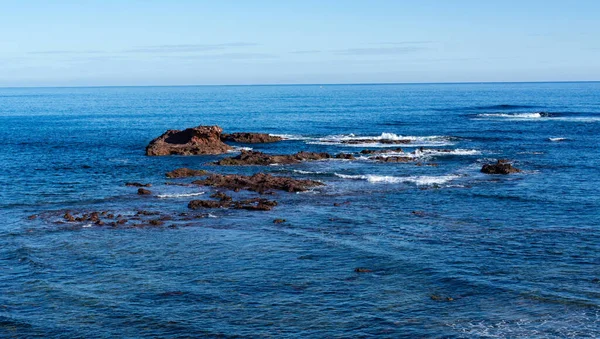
x=517, y=254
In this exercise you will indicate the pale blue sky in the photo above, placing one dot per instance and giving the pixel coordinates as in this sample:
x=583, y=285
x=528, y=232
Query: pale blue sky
x=185, y=42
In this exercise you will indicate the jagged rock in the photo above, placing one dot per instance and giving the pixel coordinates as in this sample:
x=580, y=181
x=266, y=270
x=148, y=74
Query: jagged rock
x=196, y=204
x=221, y=196
x=261, y=159
x=137, y=184
x=142, y=191
x=500, y=167
x=191, y=141
x=345, y=156
x=257, y=204
x=259, y=182
x=185, y=173
x=393, y=159
x=381, y=151
x=250, y=138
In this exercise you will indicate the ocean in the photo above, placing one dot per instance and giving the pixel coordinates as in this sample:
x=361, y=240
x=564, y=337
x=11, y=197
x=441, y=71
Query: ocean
x=382, y=249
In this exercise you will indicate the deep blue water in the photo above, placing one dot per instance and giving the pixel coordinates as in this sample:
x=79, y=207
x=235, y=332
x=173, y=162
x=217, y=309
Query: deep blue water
x=518, y=254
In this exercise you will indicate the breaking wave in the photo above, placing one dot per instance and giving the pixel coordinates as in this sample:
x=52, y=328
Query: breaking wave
x=418, y=180
x=179, y=195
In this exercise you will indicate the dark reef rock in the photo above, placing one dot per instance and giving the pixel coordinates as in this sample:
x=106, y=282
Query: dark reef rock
x=250, y=138
x=259, y=182
x=221, y=196
x=137, y=184
x=500, y=167
x=362, y=270
x=246, y=158
x=345, y=156
x=254, y=204
x=191, y=141
x=185, y=173
x=381, y=151
x=142, y=191
x=393, y=159
x=279, y=221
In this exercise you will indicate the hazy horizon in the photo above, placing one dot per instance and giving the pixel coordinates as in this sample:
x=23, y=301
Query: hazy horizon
x=195, y=43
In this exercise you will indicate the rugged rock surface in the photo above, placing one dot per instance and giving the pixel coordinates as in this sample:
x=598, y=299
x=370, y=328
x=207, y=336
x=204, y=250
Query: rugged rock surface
x=250, y=138
x=261, y=159
x=191, y=141
x=259, y=182
x=500, y=167
x=381, y=151
x=393, y=159
x=255, y=204
x=185, y=172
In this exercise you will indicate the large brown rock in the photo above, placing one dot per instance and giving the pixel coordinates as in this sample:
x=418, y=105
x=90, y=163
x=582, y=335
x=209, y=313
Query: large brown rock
x=250, y=138
x=254, y=204
x=260, y=182
x=191, y=141
x=500, y=167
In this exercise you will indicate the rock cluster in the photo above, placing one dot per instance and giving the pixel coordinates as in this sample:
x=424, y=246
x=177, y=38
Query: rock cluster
x=246, y=158
x=260, y=182
x=254, y=204
x=185, y=172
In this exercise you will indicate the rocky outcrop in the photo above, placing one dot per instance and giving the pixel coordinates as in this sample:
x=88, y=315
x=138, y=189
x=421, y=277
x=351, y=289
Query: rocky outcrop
x=250, y=138
x=259, y=182
x=143, y=191
x=381, y=151
x=191, y=141
x=500, y=167
x=246, y=158
x=137, y=184
x=254, y=204
x=393, y=159
x=185, y=172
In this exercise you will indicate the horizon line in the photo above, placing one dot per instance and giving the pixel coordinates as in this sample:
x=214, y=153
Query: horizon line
x=315, y=84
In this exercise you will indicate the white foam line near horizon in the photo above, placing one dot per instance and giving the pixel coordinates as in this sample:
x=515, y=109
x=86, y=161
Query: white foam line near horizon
x=179, y=195
x=418, y=180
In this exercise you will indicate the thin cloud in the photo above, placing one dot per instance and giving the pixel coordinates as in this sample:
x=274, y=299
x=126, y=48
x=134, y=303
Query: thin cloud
x=186, y=48
x=64, y=52
x=380, y=50
x=314, y=51
x=229, y=56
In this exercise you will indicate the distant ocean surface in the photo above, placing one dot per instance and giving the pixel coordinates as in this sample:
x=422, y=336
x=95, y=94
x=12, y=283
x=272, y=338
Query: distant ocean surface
x=447, y=251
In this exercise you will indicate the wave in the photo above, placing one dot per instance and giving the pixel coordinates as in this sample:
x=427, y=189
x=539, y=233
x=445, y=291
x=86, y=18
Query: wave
x=534, y=115
x=557, y=139
x=179, y=195
x=418, y=180
x=385, y=139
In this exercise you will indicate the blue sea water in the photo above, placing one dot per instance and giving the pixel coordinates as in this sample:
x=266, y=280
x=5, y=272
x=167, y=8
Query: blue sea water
x=451, y=252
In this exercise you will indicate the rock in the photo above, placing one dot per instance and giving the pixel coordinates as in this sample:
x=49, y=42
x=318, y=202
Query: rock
x=196, y=204
x=191, y=141
x=381, y=151
x=393, y=159
x=137, y=184
x=31, y=217
x=419, y=213
x=259, y=182
x=246, y=158
x=362, y=270
x=500, y=167
x=156, y=222
x=257, y=204
x=250, y=138
x=345, y=156
x=338, y=204
x=221, y=196
x=185, y=173
x=142, y=191
x=279, y=221
x=69, y=217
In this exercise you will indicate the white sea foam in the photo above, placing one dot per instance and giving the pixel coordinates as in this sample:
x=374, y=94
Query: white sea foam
x=337, y=139
x=240, y=148
x=179, y=195
x=534, y=115
x=557, y=139
x=418, y=180
x=308, y=172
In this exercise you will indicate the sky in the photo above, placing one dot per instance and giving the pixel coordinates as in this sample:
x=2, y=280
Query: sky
x=185, y=42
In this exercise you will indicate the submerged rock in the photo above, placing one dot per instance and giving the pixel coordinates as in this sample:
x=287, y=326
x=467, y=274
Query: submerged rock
x=185, y=172
x=250, y=138
x=393, y=159
x=259, y=182
x=137, y=184
x=142, y=191
x=191, y=141
x=279, y=221
x=500, y=167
